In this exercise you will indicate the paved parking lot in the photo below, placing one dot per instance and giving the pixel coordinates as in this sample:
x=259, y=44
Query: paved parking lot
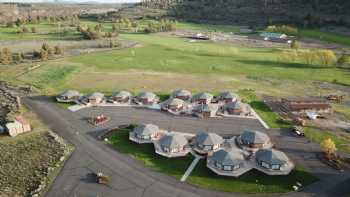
x=131, y=178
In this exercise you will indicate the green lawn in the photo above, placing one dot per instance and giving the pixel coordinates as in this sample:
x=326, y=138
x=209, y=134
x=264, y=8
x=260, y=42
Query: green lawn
x=326, y=36
x=315, y=135
x=271, y=118
x=252, y=182
x=145, y=154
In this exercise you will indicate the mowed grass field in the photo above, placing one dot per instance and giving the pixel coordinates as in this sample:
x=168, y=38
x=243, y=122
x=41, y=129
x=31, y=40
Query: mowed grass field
x=176, y=55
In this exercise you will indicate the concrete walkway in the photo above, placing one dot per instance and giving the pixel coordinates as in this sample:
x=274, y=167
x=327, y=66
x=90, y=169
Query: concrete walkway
x=190, y=168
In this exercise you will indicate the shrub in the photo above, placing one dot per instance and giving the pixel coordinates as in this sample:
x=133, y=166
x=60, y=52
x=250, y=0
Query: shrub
x=10, y=25
x=58, y=50
x=44, y=55
x=285, y=29
x=25, y=29
x=34, y=30
x=295, y=45
x=18, y=57
x=6, y=56
x=45, y=46
x=326, y=57
x=344, y=60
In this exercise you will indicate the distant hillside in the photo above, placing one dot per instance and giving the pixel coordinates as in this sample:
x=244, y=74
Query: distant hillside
x=302, y=12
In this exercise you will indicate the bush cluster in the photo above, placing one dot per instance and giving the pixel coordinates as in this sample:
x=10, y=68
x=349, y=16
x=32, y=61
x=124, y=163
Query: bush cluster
x=285, y=29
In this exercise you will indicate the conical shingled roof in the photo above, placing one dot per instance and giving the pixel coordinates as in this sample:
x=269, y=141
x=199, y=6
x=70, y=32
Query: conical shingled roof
x=173, y=141
x=271, y=156
x=208, y=139
x=146, y=129
x=254, y=137
x=230, y=157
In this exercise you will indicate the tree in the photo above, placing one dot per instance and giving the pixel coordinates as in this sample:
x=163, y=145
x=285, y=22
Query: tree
x=33, y=29
x=58, y=50
x=295, y=45
x=25, y=29
x=6, y=56
x=44, y=55
x=326, y=57
x=328, y=147
x=19, y=22
x=45, y=46
x=18, y=57
x=343, y=60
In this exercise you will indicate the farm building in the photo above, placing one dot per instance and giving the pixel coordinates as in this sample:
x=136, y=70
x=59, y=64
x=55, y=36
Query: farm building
x=205, y=110
x=233, y=108
x=93, y=98
x=172, y=145
x=229, y=162
x=173, y=104
x=147, y=98
x=273, y=162
x=202, y=98
x=120, y=97
x=69, y=96
x=20, y=125
x=254, y=140
x=300, y=105
x=227, y=97
x=182, y=94
x=204, y=142
x=145, y=133
x=271, y=35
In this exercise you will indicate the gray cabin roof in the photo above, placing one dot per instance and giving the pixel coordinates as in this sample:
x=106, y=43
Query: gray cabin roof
x=95, y=95
x=181, y=93
x=70, y=93
x=230, y=157
x=146, y=129
x=121, y=94
x=255, y=137
x=206, y=108
x=203, y=95
x=147, y=95
x=271, y=156
x=233, y=105
x=173, y=141
x=208, y=138
x=174, y=101
x=227, y=95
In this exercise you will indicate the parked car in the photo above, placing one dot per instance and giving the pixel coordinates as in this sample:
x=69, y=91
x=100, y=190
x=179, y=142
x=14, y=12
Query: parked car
x=298, y=131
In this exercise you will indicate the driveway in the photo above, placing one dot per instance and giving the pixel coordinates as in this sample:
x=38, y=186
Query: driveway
x=130, y=178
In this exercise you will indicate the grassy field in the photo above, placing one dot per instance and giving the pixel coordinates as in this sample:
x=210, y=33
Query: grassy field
x=252, y=182
x=25, y=159
x=325, y=36
x=145, y=154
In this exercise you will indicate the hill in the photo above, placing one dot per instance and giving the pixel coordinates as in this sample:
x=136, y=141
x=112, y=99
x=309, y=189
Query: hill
x=255, y=12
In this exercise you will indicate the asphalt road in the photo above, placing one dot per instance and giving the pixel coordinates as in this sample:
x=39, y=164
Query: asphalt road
x=129, y=178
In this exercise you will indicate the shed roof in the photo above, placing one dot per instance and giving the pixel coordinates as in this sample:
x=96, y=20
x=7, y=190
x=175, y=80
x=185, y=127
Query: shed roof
x=146, y=129
x=173, y=141
x=147, y=95
x=208, y=138
x=174, y=101
x=233, y=105
x=227, y=95
x=271, y=156
x=70, y=93
x=203, y=95
x=121, y=94
x=95, y=95
x=255, y=137
x=229, y=157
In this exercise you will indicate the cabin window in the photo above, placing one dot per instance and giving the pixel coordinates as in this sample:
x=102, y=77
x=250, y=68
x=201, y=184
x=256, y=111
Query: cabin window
x=265, y=165
x=275, y=167
x=227, y=168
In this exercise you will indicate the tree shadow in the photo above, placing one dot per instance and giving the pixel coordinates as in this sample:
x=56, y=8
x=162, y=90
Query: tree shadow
x=269, y=63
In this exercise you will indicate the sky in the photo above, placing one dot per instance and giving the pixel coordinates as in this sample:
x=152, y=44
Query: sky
x=102, y=1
